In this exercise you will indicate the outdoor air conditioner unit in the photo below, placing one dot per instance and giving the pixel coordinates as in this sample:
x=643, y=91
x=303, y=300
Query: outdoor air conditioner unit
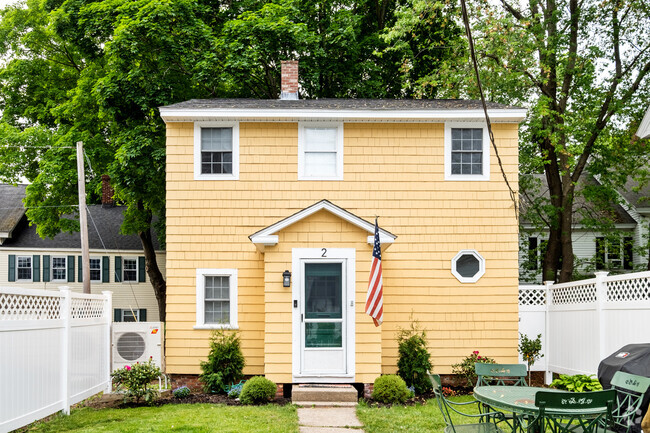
x=136, y=342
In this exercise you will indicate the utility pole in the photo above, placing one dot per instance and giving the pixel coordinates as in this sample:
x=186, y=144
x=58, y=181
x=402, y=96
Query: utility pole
x=83, y=218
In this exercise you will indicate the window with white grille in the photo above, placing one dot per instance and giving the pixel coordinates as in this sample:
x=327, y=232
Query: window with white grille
x=216, y=298
x=59, y=268
x=95, y=269
x=467, y=151
x=130, y=270
x=216, y=150
x=24, y=268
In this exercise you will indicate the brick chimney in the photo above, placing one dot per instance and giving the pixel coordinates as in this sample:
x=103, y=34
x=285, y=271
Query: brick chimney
x=107, y=191
x=289, y=70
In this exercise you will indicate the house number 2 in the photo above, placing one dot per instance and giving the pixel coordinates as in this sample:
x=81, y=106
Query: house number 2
x=324, y=250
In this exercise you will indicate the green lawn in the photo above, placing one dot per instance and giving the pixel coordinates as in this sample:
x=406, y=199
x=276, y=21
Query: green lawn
x=413, y=419
x=195, y=418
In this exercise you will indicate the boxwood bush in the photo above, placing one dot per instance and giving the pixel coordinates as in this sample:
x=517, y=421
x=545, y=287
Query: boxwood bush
x=257, y=390
x=390, y=389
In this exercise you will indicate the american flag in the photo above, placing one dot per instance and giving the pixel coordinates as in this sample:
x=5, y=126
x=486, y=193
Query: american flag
x=375, y=296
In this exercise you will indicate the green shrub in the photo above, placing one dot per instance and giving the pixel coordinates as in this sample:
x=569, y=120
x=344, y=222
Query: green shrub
x=225, y=362
x=466, y=367
x=181, y=392
x=414, y=361
x=257, y=390
x=135, y=380
x=577, y=383
x=390, y=389
x=530, y=350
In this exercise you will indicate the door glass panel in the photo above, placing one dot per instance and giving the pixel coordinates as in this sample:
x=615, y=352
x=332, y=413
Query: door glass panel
x=323, y=298
x=323, y=334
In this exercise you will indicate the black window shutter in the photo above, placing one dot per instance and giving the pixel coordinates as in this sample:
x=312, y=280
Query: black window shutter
x=628, y=253
x=80, y=270
x=117, y=315
x=106, y=271
x=12, y=267
x=70, y=269
x=118, y=269
x=36, y=269
x=143, y=314
x=600, y=253
x=141, y=271
x=46, y=268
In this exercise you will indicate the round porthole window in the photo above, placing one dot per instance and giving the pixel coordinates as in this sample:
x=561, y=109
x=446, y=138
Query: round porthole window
x=468, y=266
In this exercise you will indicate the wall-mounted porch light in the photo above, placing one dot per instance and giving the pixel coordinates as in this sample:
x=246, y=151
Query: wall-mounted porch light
x=286, y=279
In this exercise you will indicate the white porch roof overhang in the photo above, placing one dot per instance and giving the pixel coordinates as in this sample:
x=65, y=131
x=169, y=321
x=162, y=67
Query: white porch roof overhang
x=267, y=237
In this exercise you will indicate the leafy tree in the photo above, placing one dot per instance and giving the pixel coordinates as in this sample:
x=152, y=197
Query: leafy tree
x=583, y=92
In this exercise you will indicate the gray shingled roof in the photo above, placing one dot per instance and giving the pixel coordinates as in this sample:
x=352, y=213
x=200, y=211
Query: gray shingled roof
x=11, y=206
x=108, y=221
x=637, y=197
x=337, y=104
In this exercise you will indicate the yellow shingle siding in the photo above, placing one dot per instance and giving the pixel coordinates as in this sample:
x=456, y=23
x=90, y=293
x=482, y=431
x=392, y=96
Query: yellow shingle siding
x=394, y=170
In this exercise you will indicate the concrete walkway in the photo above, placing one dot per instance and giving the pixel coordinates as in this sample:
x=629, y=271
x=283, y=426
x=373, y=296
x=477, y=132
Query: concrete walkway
x=329, y=420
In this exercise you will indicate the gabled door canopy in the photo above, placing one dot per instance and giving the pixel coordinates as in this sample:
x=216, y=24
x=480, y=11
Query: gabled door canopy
x=267, y=237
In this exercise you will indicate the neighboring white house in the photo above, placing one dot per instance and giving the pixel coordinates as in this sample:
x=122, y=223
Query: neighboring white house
x=617, y=251
x=116, y=261
x=644, y=127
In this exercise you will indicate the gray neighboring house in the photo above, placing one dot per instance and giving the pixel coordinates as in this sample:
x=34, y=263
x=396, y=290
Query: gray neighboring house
x=116, y=261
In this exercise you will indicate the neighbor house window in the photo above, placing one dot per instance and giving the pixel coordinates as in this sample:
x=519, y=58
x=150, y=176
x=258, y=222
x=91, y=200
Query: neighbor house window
x=59, y=268
x=24, y=268
x=320, y=151
x=468, y=266
x=467, y=152
x=130, y=269
x=216, y=298
x=130, y=315
x=216, y=150
x=95, y=269
x=611, y=254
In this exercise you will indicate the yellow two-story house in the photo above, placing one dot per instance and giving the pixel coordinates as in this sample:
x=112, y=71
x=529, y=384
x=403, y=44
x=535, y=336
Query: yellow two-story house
x=270, y=221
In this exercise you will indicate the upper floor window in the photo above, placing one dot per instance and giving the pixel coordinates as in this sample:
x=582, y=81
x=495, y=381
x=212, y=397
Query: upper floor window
x=320, y=151
x=216, y=150
x=130, y=270
x=95, y=269
x=467, y=151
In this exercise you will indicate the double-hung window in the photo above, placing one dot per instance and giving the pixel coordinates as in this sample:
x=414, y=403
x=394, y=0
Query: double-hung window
x=216, y=298
x=24, y=268
x=130, y=269
x=59, y=268
x=216, y=151
x=320, y=151
x=95, y=269
x=467, y=151
x=610, y=254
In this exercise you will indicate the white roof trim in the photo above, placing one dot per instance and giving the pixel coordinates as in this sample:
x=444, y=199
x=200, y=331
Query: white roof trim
x=644, y=127
x=267, y=238
x=511, y=115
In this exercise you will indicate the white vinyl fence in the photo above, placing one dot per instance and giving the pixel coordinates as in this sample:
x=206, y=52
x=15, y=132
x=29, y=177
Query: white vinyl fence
x=583, y=322
x=54, y=352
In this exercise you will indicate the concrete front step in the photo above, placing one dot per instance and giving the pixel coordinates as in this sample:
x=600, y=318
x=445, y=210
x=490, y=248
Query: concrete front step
x=323, y=395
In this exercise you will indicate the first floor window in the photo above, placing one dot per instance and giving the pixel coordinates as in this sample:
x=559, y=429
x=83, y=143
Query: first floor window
x=59, y=268
x=216, y=298
x=611, y=253
x=130, y=315
x=24, y=268
x=95, y=269
x=130, y=270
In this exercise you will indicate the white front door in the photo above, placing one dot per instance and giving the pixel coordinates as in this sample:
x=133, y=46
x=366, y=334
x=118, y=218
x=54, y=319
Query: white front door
x=323, y=314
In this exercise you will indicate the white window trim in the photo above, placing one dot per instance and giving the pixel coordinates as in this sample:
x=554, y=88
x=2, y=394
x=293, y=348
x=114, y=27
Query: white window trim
x=101, y=265
x=481, y=266
x=31, y=267
x=200, y=298
x=135, y=311
x=339, y=149
x=235, y=151
x=486, y=152
x=65, y=268
x=137, y=270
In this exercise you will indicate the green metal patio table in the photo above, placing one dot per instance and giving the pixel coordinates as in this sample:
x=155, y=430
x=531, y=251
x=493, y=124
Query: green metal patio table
x=520, y=400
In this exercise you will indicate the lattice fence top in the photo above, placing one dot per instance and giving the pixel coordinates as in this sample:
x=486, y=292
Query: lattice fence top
x=532, y=296
x=637, y=289
x=29, y=307
x=578, y=294
x=87, y=308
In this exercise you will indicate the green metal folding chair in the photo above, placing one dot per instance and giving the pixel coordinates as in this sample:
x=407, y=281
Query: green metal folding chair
x=573, y=412
x=501, y=374
x=630, y=389
x=487, y=422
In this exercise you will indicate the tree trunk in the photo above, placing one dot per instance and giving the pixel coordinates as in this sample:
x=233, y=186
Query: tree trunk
x=155, y=276
x=566, y=271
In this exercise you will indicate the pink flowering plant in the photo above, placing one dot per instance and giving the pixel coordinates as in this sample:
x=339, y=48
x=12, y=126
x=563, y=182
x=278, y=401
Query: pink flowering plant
x=135, y=381
x=466, y=367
